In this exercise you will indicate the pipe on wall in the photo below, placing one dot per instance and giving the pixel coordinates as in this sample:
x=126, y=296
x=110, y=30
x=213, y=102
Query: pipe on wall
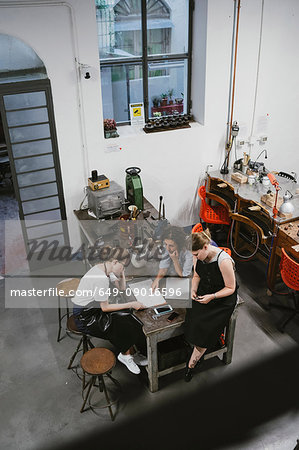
x=257, y=74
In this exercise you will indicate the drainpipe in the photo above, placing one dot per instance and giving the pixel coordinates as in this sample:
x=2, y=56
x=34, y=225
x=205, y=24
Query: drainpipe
x=251, y=139
x=231, y=99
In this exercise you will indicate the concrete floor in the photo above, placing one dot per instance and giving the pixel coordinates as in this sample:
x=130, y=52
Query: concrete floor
x=40, y=398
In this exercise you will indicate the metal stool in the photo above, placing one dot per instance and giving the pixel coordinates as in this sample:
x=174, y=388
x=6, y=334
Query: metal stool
x=84, y=344
x=66, y=289
x=98, y=362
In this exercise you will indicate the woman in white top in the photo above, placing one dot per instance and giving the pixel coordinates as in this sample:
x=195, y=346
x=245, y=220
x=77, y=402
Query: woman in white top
x=97, y=317
x=176, y=260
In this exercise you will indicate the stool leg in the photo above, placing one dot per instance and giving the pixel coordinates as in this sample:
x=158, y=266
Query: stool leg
x=85, y=349
x=67, y=308
x=85, y=343
x=229, y=338
x=107, y=398
x=90, y=343
x=91, y=383
x=59, y=319
x=100, y=384
x=76, y=351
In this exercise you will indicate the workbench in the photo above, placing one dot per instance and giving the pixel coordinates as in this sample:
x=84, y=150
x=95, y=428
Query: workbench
x=92, y=229
x=245, y=206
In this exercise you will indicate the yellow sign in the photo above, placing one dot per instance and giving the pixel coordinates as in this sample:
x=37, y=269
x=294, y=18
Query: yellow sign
x=137, y=112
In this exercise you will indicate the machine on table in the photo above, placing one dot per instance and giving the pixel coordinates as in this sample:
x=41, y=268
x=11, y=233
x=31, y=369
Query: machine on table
x=134, y=187
x=107, y=199
x=105, y=203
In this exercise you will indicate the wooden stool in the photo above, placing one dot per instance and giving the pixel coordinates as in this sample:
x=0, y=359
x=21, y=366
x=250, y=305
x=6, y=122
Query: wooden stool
x=97, y=362
x=66, y=289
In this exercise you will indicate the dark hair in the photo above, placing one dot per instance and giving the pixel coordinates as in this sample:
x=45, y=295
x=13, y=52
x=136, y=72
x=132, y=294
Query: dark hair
x=107, y=253
x=177, y=235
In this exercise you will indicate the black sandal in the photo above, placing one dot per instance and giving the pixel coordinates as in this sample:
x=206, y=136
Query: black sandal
x=188, y=373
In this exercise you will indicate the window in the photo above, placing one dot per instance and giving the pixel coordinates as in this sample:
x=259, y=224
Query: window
x=145, y=55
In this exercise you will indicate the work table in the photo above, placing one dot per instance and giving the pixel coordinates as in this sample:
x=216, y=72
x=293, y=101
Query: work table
x=253, y=192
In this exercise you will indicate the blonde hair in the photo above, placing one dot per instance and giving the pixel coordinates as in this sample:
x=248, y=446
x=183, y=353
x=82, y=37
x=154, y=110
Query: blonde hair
x=200, y=239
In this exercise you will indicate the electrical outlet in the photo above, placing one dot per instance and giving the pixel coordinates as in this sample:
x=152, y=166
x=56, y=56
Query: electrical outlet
x=262, y=140
x=240, y=143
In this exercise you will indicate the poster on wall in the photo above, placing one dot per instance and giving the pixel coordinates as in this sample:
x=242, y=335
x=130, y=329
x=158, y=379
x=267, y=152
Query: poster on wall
x=137, y=114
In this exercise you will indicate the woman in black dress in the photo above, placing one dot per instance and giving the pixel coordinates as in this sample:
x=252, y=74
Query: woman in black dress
x=214, y=296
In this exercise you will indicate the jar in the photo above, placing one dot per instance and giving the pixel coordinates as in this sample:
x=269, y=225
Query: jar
x=251, y=179
x=266, y=181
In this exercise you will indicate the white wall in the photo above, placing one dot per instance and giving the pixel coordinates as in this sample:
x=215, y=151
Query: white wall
x=171, y=162
x=59, y=32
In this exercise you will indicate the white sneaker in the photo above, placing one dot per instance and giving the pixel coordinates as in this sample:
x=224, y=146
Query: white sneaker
x=128, y=361
x=140, y=359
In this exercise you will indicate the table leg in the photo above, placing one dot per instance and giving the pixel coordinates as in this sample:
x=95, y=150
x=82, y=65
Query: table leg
x=152, y=368
x=273, y=267
x=230, y=333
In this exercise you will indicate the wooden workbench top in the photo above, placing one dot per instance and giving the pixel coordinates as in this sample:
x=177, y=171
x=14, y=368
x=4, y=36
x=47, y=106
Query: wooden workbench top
x=151, y=325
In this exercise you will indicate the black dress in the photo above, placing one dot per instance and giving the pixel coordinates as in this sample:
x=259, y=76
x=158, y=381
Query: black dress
x=121, y=328
x=205, y=322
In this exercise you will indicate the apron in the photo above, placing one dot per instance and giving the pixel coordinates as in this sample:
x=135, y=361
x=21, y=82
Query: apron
x=205, y=322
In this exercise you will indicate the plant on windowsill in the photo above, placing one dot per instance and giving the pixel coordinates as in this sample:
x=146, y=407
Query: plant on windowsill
x=164, y=98
x=110, y=128
x=156, y=101
x=170, y=95
x=179, y=101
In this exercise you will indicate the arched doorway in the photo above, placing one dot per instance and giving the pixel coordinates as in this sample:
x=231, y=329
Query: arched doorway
x=29, y=135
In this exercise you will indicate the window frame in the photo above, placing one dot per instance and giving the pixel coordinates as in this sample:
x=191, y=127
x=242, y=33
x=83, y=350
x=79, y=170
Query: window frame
x=144, y=59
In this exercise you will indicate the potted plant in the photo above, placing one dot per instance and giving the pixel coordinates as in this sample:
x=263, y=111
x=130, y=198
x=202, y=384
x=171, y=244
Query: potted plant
x=170, y=94
x=156, y=101
x=164, y=98
x=179, y=101
x=110, y=128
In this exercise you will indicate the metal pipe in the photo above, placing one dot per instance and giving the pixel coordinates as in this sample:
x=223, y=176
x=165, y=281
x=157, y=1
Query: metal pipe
x=234, y=77
x=231, y=71
x=257, y=69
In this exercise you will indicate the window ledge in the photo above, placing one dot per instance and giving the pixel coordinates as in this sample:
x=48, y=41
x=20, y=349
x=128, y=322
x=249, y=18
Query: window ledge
x=125, y=131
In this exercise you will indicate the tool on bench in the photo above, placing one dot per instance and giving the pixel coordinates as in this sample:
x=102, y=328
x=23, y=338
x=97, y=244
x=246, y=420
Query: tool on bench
x=275, y=183
x=160, y=206
x=97, y=182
